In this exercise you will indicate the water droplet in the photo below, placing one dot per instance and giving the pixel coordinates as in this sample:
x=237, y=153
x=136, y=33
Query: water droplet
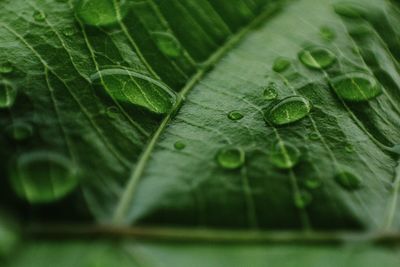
x=348, y=10
x=349, y=148
x=39, y=16
x=313, y=136
x=8, y=94
x=312, y=183
x=288, y=110
x=69, y=31
x=281, y=64
x=235, y=115
x=179, y=145
x=43, y=177
x=327, y=33
x=348, y=180
x=284, y=155
x=112, y=112
x=270, y=91
x=19, y=131
x=136, y=88
x=101, y=12
x=317, y=57
x=168, y=44
x=9, y=234
x=356, y=87
x=230, y=158
x=360, y=31
x=6, y=68
x=302, y=199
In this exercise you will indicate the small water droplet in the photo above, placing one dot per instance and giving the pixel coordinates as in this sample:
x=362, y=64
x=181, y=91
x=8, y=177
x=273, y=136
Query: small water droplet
x=302, y=199
x=327, y=33
x=235, y=115
x=19, y=131
x=230, y=158
x=348, y=180
x=281, y=64
x=8, y=94
x=317, y=57
x=136, y=88
x=284, y=155
x=101, y=12
x=312, y=183
x=69, y=31
x=288, y=110
x=168, y=44
x=356, y=87
x=43, y=177
x=348, y=10
x=270, y=92
x=179, y=145
x=349, y=148
x=112, y=112
x=314, y=136
x=39, y=16
x=6, y=68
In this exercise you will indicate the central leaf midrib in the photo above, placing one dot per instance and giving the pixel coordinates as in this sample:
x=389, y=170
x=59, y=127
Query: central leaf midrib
x=128, y=194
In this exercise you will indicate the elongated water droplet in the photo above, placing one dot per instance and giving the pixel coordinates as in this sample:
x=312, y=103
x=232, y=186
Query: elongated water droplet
x=348, y=180
x=9, y=234
x=128, y=86
x=360, y=31
x=317, y=57
x=168, y=44
x=6, y=68
x=43, y=177
x=8, y=94
x=356, y=87
x=230, y=158
x=179, y=145
x=39, y=16
x=348, y=10
x=349, y=148
x=302, y=199
x=270, y=92
x=19, y=131
x=327, y=33
x=281, y=64
x=284, y=155
x=101, y=12
x=112, y=112
x=312, y=183
x=235, y=115
x=288, y=110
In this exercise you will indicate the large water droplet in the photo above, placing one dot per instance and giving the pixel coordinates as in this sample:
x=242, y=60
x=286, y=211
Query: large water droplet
x=284, y=155
x=8, y=93
x=348, y=10
x=19, y=131
x=179, y=145
x=348, y=180
x=288, y=110
x=356, y=87
x=317, y=57
x=270, y=92
x=235, y=115
x=101, y=12
x=281, y=64
x=168, y=44
x=6, y=68
x=230, y=158
x=43, y=177
x=128, y=86
x=302, y=199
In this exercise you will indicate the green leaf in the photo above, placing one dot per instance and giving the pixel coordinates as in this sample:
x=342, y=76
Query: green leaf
x=242, y=117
